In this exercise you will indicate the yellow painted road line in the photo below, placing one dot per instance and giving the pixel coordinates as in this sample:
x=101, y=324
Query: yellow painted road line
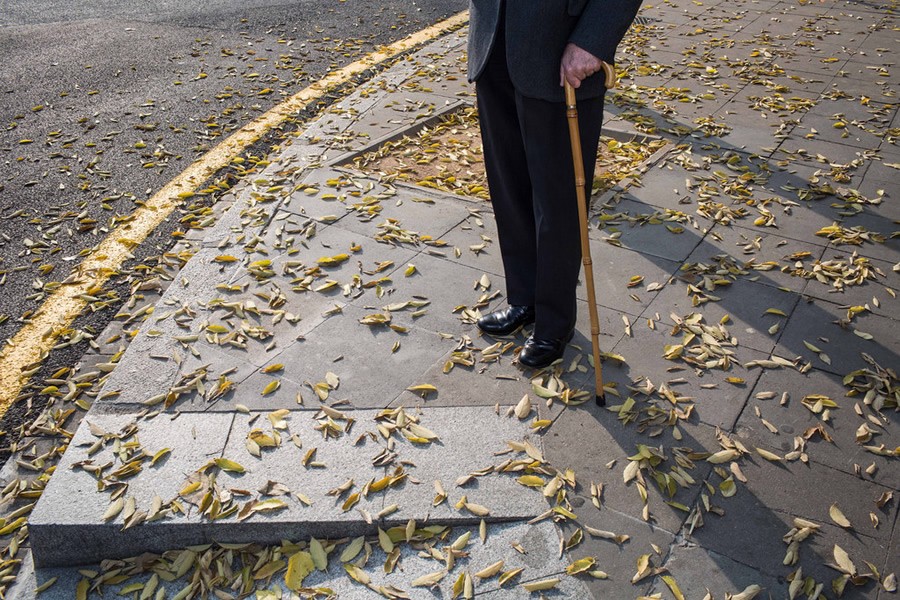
x=31, y=344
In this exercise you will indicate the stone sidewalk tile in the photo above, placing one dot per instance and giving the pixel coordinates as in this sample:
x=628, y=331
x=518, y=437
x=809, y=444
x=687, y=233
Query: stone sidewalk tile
x=699, y=571
x=761, y=512
x=614, y=270
x=664, y=186
x=360, y=355
x=433, y=217
x=819, y=153
x=619, y=561
x=873, y=293
x=477, y=241
x=750, y=130
x=540, y=561
x=469, y=440
x=463, y=445
x=768, y=257
x=139, y=373
x=444, y=284
x=652, y=218
x=644, y=228
x=819, y=323
x=588, y=438
x=67, y=526
x=873, y=187
x=356, y=111
x=65, y=535
x=398, y=112
x=826, y=131
x=885, y=247
x=878, y=169
x=493, y=382
x=742, y=306
x=719, y=403
x=843, y=452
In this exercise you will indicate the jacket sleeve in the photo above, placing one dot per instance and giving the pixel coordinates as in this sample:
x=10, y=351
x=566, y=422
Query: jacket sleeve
x=602, y=25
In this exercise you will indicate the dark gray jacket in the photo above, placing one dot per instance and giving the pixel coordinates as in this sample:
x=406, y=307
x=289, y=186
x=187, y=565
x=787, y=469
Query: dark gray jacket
x=537, y=32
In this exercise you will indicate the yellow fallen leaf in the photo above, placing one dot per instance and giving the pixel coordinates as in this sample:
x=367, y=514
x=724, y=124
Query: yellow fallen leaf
x=771, y=456
x=838, y=517
x=540, y=586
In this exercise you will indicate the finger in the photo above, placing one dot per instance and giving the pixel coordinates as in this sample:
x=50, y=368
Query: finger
x=562, y=75
x=573, y=79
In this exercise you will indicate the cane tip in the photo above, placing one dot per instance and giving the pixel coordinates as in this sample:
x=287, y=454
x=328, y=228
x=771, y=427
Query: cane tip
x=601, y=399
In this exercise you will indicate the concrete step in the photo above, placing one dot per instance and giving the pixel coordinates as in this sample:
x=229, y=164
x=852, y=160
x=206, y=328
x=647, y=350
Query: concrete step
x=541, y=560
x=68, y=525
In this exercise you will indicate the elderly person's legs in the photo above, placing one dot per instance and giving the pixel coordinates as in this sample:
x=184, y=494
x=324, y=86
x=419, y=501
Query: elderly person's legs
x=529, y=166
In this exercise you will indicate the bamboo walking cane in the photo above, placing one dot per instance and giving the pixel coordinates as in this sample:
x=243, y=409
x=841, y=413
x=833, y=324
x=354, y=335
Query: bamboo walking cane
x=575, y=137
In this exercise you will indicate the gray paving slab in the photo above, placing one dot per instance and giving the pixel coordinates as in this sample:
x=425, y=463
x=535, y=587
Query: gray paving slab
x=362, y=356
x=889, y=207
x=790, y=89
x=884, y=245
x=882, y=91
x=296, y=258
x=587, y=439
x=744, y=305
x=878, y=169
x=767, y=256
x=433, y=216
x=469, y=441
x=818, y=323
x=762, y=512
x=851, y=135
x=619, y=561
x=327, y=195
x=67, y=525
x=139, y=374
x=477, y=241
x=811, y=65
x=489, y=382
x=809, y=216
x=484, y=384
x=664, y=186
x=699, y=571
x=541, y=560
x=750, y=130
x=891, y=563
x=645, y=228
x=819, y=152
x=871, y=293
x=225, y=362
x=62, y=536
x=614, y=272
x=843, y=452
x=718, y=404
x=441, y=282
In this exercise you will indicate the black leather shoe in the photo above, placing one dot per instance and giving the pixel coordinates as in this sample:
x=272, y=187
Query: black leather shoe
x=541, y=353
x=507, y=320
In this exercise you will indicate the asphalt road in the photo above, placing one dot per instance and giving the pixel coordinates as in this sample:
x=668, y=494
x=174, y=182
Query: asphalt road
x=116, y=97
x=102, y=102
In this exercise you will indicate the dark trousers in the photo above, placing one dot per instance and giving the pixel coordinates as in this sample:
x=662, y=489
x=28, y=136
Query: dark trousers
x=528, y=157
